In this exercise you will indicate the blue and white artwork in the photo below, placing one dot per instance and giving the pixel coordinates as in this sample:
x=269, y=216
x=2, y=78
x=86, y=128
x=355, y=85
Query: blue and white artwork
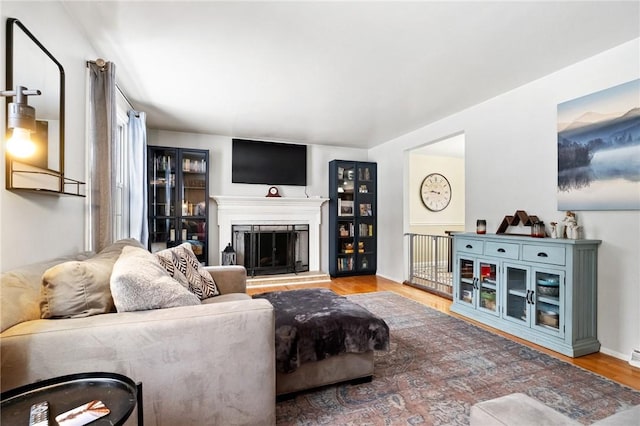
x=599, y=150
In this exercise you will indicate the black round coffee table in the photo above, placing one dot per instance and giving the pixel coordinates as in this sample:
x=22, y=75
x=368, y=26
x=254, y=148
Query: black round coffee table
x=119, y=393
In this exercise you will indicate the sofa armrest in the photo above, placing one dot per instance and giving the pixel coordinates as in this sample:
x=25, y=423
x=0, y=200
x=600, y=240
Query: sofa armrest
x=229, y=278
x=206, y=364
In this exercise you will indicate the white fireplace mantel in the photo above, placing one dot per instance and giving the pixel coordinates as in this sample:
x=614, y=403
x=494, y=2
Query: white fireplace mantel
x=246, y=210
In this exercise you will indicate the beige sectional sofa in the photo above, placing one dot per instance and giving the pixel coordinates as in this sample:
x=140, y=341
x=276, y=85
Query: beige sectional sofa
x=208, y=364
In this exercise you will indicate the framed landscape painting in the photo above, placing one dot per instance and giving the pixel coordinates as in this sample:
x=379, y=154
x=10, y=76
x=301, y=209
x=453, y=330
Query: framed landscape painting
x=599, y=150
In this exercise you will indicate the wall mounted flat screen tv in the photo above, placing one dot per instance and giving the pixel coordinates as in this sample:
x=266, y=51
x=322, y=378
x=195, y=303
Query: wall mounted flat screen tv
x=270, y=163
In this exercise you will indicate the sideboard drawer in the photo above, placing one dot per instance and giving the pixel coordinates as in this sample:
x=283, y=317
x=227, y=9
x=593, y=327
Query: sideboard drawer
x=469, y=246
x=544, y=254
x=506, y=250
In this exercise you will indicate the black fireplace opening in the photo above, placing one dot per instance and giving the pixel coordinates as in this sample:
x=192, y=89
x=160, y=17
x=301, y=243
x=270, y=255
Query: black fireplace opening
x=272, y=249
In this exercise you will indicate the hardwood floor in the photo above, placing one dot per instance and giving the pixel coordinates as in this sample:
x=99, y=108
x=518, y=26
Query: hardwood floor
x=599, y=363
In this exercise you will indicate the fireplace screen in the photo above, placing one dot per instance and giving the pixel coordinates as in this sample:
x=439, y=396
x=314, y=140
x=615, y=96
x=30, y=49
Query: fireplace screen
x=272, y=249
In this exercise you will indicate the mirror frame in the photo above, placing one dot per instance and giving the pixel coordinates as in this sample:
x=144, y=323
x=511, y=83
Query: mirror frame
x=10, y=85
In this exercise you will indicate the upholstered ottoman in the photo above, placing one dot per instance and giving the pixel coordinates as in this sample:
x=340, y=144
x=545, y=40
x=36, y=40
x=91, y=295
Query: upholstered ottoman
x=323, y=338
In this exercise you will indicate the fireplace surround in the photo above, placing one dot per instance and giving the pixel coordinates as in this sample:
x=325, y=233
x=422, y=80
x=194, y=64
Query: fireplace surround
x=251, y=210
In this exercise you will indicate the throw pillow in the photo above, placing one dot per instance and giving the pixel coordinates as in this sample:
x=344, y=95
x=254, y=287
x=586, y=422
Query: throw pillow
x=183, y=266
x=78, y=289
x=139, y=283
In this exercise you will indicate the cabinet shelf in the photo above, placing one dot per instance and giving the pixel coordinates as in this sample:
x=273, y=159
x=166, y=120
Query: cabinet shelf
x=550, y=300
x=518, y=293
x=488, y=285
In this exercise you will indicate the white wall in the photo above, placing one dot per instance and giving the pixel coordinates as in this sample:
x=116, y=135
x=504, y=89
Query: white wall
x=422, y=220
x=220, y=178
x=511, y=164
x=36, y=227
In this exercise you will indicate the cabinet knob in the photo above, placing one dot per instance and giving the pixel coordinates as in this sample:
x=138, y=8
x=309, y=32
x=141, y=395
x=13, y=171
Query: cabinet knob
x=542, y=254
x=501, y=250
x=469, y=246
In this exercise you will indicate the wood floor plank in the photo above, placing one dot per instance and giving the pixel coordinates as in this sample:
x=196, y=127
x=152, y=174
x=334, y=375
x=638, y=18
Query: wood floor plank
x=613, y=368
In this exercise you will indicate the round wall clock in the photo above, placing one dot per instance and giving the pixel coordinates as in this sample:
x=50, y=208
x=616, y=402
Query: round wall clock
x=435, y=192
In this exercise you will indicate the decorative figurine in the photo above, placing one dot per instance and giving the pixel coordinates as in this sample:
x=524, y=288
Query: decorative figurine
x=554, y=229
x=570, y=223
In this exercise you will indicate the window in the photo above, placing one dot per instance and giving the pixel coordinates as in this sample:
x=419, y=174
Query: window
x=120, y=168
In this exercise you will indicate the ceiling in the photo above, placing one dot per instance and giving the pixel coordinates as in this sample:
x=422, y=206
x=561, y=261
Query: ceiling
x=352, y=74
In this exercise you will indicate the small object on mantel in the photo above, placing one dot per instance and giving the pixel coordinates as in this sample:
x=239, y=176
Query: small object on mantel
x=520, y=216
x=273, y=192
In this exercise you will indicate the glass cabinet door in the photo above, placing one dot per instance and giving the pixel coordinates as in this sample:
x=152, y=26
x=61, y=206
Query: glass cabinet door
x=193, y=196
x=466, y=281
x=488, y=286
x=193, y=201
x=517, y=294
x=162, y=196
x=548, y=294
x=346, y=183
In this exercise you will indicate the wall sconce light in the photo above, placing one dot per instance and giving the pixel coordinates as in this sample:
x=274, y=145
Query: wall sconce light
x=22, y=119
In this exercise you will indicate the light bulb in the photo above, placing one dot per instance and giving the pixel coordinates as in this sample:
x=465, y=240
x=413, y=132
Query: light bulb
x=20, y=144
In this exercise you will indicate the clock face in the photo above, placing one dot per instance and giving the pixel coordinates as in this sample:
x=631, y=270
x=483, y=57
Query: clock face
x=435, y=192
x=273, y=192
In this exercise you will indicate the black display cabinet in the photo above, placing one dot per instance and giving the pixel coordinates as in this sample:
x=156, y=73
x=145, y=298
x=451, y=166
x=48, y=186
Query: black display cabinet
x=178, y=184
x=352, y=218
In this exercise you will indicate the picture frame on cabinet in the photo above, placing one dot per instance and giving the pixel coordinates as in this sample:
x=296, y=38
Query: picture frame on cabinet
x=365, y=210
x=345, y=207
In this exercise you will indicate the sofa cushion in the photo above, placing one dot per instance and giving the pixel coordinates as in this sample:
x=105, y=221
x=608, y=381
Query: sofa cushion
x=140, y=283
x=517, y=409
x=20, y=289
x=183, y=266
x=77, y=289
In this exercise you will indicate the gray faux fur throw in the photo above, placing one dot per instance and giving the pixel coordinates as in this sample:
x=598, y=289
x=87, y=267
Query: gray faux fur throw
x=314, y=324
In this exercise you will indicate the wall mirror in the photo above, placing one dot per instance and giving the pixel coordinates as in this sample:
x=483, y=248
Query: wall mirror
x=30, y=64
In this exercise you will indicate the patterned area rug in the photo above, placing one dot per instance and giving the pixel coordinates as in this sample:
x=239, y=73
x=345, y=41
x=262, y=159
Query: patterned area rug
x=439, y=366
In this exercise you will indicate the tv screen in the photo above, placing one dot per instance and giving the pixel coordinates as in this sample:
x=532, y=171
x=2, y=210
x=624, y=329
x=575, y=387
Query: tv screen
x=269, y=163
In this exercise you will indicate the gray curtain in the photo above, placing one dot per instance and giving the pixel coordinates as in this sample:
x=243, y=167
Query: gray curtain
x=102, y=119
x=137, y=180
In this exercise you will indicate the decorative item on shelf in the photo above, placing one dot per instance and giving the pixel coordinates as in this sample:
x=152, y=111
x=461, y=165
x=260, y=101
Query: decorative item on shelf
x=537, y=229
x=228, y=255
x=365, y=263
x=22, y=119
x=481, y=226
x=548, y=318
x=570, y=224
x=348, y=248
x=360, y=247
x=273, y=192
x=554, y=229
x=520, y=216
x=488, y=300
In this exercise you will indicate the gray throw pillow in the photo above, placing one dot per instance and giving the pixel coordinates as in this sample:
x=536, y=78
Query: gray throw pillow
x=78, y=289
x=139, y=283
x=183, y=266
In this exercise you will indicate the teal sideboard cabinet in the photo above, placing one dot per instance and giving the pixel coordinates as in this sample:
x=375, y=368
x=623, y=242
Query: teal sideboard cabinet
x=539, y=289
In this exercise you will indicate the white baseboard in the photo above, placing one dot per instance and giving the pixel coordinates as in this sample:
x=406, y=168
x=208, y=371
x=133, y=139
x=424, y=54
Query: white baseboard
x=635, y=358
x=623, y=357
